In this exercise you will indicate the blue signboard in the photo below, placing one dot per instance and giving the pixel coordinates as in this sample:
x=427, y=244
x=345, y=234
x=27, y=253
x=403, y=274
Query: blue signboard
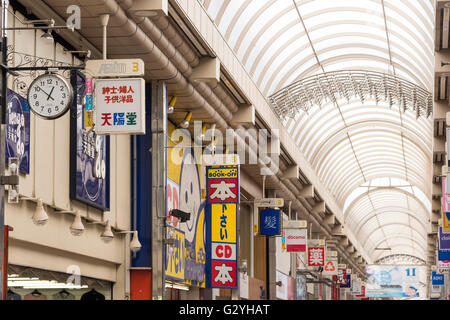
x=270, y=222
x=437, y=279
x=17, y=140
x=89, y=162
x=443, y=255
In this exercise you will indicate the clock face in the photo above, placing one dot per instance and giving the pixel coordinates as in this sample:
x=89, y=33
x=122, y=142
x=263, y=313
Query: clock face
x=49, y=96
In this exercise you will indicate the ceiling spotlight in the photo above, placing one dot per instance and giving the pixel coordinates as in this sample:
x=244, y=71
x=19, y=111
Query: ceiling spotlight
x=171, y=106
x=185, y=123
x=40, y=217
x=47, y=35
x=77, y=227
x=135, y=245
x=107, y=235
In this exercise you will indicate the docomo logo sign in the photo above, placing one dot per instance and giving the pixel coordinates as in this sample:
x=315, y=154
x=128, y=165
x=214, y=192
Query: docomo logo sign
x=223, y=251
x=264, y=146
x=290, y=237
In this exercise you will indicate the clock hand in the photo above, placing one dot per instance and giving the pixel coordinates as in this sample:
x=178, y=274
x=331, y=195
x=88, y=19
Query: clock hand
x=50, y=94
x=45, y=92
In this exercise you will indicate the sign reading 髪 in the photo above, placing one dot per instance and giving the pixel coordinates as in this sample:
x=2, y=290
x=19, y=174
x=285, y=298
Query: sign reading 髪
x=222, y=216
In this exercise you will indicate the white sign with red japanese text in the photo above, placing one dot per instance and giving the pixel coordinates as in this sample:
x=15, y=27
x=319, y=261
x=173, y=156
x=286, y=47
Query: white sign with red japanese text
x=120, y=106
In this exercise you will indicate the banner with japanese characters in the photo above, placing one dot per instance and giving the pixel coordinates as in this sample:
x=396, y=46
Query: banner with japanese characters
x=222, y=220
x=89, y=156
x=18, y=130
x=119, y=106
x=316, y=256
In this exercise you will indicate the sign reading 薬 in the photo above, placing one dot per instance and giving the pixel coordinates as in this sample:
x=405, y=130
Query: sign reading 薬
x=222, y=216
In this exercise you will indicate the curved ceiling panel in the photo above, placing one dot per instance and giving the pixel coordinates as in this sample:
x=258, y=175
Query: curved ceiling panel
x=368, y=138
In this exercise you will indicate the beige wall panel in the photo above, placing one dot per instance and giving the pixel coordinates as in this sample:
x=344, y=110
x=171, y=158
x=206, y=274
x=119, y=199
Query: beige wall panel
x=123, y=182
x=56, y=234
x=43, y=140
x=61, y=155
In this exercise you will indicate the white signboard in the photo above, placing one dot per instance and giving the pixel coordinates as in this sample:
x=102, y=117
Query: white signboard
x=356, y=287
x=115, y=68
x=120, y=106
x=330, y=267
x=270, y=202
x=296, y=240
x=243, y=285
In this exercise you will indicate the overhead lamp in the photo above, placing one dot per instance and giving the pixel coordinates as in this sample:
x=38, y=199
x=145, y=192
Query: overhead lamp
x=171, y=106
x=135, y=245
x=77, y=227
x=40, y=217
x=107, y=235
x=201, y=136
x=185, y=123
x=47, y=35
x=149, y=8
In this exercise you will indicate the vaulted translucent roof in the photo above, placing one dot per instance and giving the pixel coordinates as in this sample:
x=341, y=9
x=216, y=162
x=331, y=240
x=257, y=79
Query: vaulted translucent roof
x=352, y=140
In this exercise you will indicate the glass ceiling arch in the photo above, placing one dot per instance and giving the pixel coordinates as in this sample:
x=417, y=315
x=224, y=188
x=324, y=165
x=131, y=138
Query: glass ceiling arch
x=378, y=57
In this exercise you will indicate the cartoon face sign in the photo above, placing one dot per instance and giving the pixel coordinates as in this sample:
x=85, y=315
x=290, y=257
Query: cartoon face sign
x=189, y=193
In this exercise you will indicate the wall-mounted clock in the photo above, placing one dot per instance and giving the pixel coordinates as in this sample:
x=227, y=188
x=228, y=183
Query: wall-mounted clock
x=50, y=96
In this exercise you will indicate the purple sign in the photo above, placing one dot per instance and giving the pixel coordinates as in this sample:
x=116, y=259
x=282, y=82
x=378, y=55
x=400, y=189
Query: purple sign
x=89, y=163
x=18, y=130
x=347, y=283
x=444, y=240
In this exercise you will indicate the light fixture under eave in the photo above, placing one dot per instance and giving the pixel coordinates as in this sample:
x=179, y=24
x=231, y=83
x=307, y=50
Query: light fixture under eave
x=149, y=8
x=40, y=217
x=47, y=35
x=171, y=106
x=185, y=123
x=135, y=245
x=77, y=227
x=107, y=235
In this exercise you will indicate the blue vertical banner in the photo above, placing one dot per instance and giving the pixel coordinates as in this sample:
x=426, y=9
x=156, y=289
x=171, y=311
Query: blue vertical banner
x=89, y=154
x=437, y=279
x=17, y=140
x=141, y=191
x=222, y=225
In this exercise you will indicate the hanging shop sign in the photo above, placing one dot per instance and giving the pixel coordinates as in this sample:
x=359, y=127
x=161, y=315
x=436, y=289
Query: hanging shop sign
x=115, y=68
x=444, y=240
x=301, y=287
x=175, y=255
x=270, y=222
x=443, y=266
x=222, y=218
x=269, y=203
x=330, y=267
x=446, y=222
x=356, y=287
x=89, y=163
x=443, y=255
x=347, y=283
x=437, y=279
x=17, y=140
x=316, y=256
x=363, y=292
x=120, y=106
x=445, y=198
x=285, y=286
x=296, y=240
x=391, y=281
x=184, y=193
